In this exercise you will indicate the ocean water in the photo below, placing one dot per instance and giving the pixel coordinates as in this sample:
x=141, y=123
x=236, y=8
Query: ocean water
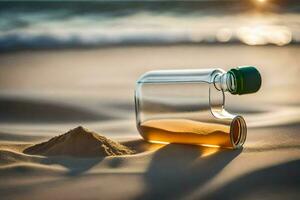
x=42, y=24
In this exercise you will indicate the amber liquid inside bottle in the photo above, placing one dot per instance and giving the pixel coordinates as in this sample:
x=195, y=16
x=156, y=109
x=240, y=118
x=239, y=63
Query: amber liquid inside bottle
x=190, y=132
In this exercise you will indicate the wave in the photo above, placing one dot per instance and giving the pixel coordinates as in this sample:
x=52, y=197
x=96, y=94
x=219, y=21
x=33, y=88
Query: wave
x=89, y=36
x=54, y=25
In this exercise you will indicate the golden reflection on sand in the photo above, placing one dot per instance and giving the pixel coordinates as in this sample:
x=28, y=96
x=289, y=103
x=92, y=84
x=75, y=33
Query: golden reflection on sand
x=208, y=151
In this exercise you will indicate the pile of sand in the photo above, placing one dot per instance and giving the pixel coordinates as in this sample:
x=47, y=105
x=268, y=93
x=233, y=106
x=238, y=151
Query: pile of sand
x=79, y=142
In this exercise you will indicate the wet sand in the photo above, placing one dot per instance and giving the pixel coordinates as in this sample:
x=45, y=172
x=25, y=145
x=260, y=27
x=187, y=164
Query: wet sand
x=46, y=93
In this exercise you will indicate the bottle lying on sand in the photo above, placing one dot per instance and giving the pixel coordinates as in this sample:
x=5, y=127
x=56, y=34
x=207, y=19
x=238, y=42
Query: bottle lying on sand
x=187, y=106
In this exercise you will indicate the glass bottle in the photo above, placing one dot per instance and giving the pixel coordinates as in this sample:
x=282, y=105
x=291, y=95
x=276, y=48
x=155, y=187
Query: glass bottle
x=187, y=106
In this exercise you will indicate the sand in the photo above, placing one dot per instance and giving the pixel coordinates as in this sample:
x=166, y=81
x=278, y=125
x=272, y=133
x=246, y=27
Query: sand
x=79, y=142
x=45, y=93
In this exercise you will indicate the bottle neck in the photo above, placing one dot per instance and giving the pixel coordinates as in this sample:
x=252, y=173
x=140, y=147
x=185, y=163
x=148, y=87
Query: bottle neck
x=225, y=82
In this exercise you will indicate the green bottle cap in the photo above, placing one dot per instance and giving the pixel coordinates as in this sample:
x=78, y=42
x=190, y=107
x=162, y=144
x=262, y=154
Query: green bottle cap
x=247, y=78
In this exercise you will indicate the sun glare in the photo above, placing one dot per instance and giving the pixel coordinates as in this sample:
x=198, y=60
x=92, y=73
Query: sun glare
x=261, y=1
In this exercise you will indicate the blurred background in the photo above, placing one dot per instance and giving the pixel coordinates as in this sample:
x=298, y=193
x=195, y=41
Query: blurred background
x=76, y=62
x=52, y=24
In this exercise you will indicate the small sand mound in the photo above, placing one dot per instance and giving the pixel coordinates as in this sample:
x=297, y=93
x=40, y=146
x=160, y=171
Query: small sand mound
x=79, y=142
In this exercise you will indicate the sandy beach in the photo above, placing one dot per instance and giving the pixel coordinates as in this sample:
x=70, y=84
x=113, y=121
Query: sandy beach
x=48, y=92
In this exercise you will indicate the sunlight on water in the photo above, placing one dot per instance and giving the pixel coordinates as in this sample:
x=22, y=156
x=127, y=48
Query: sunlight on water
x=264, y=34
x=261, y=1
x=224, y=35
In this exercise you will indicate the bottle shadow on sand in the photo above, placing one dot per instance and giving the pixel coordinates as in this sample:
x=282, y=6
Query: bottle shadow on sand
x=176, y=170
x=275, y=182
